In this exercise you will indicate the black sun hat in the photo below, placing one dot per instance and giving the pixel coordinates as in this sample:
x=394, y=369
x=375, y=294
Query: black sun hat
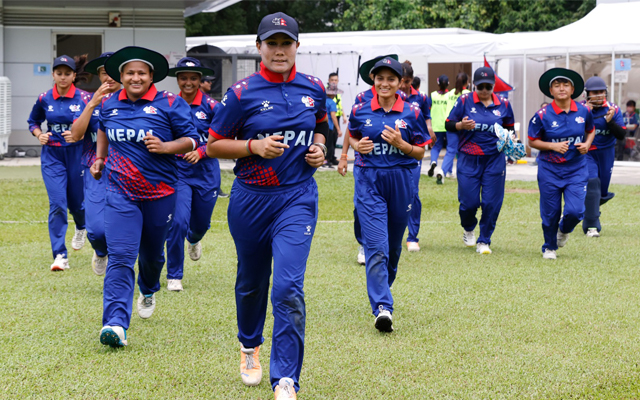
x=156, y=61
x=554, y=73
x=367, y=66
x=190, y=64
x=94, y=65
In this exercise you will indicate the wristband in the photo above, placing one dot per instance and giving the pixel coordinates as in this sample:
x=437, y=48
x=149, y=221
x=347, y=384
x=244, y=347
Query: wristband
x=249, y=147
x=322, y=147
x=343, y=157
x=101, y=158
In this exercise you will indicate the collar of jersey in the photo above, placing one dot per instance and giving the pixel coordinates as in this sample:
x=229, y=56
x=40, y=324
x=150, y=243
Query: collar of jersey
x=413, y=91
x=70, y=93
x=149, y=96
x=274, y=77
x=496, y=99
x=197, y=100
x=398, y=106
x=558, y=110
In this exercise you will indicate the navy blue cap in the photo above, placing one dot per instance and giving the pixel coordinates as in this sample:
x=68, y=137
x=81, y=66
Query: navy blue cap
x=94, y=65
x=64, y=60
x=190, y=64
x=278, y=23
x=595, y=83
x=484, y=75
x=390, y=63
x=442, y=80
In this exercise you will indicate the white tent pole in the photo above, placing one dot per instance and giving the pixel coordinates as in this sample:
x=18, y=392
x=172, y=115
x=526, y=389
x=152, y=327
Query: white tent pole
x=524, y=127
x=613, y=73
x=566, y=63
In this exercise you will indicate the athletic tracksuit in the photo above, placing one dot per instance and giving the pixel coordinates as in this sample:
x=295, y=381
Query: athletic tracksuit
x=481, y=167
x=60, y=162
x=140, y=199
x=197, y=190
x=384, y=190
x=273, y=208
x=452, y=137
x=561, y=175
x=600, y=160
x=439, y=113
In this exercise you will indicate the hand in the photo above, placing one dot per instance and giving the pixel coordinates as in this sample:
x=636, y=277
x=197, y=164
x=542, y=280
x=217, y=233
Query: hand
x=364, y=145
x=393, y=136
x=43, y=138
x=342, y=167
x=154, y=144
x=270, y=147
x=68, y=137
x=192, y=157
x=315, y=156
x=98, y=95
x=339, y=132
x=561, y=147
x=434, y=138
x=96, y=169
x=345, y=120
x=583, y=147
x=467, y=124
x=609, y=115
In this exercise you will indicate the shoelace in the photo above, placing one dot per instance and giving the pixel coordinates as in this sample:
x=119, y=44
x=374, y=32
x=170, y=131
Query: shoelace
x=249, y=359
x=289, y=390
x=148, y=301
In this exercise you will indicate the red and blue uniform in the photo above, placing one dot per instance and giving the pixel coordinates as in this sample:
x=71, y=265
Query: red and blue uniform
x=384, y=190
x=273, y=207
x=481, y=167
x=140, y=199
x=60, y=162
x=561, y=174
x=197, y=190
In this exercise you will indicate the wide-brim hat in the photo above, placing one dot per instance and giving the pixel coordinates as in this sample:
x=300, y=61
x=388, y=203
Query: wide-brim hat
x=554, y=73
x=367, y=66
x=94, y=65
x=190, y=64
x=120, y=58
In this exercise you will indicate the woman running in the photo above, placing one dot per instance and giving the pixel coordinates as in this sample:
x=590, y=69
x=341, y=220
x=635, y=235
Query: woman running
x=274, y=123
x=462, y=82
x=60, y=160
x=439, y=114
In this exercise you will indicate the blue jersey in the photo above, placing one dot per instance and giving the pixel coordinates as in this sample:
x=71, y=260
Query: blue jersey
x=631, y=119
x=133, y=170
x=604, y=139
x=369, y=119
x=331, y=107
x=481, y=140
x=91, y=134
x=551, y=124
x=58, y=111
x=420, y=100
x=203, y=108
x=368, y=95
x=263, y=105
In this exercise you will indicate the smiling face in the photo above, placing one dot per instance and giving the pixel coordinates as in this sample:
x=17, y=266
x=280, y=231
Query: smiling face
x=561, y=89
x=136, y=78
x=278, y=53
x=405, y=84
x=386, y=83
x=105, y=78
x=484, y=91
x=189, y=83
x=63, y=77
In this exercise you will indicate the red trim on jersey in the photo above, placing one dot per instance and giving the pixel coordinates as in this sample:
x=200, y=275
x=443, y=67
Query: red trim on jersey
x=70, y=93
x=149, y=96
x=533, y=138
x=494, y=97
x=274, y=77
x=397, y=106
x=422, y=144
x=320, y=119
x=215, y=135
x=197, y=100
x=558, y=110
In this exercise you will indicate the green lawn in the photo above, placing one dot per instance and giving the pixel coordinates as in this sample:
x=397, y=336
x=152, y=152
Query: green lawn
x=509, y=325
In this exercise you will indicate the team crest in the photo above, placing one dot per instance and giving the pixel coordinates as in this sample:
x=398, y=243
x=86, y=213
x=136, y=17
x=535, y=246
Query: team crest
x=74, y=107
x=190, y=64
x=554, y=124
x=367, y=123
x=308, y=101
x=96, y=112
x=114, y=112
x=50, y=108
x=386, y=61
x=279, y=22
x=473, y=110
x=150, y=110
x=266, y=106
x=580, y=120
x=401, y=124
x=201, y=115
x=496, y=113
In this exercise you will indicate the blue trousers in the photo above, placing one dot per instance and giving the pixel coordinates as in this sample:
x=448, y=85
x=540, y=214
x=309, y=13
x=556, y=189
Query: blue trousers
x=556, y=181
x=357, y=229
x=94, y=202
x=384, y=199
x=437, y=147
x=600, y=165
x=481, y=184
x=134, y=229
x=194, y=206
x=62, y=175
x=273, y=224
x=416, y=208
x=452, y=150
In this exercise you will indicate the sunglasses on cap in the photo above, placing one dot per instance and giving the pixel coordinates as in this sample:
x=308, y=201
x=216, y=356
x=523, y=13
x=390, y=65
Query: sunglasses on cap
x=485, y=86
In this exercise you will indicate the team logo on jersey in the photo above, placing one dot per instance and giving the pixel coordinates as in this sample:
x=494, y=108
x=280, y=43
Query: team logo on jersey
x=266, y=106
x=415, y=103
x=473, y=110
x=114, y=112
x=308, y=231
x=170, y=216
x=401, y=124
x=74, y=107
x=580, y=120
x=554, y=124
x=190, y=64
x=150, y=110
x=50, y=108
x=223, y=101
x=367, y=122
x=96, y=112
x=533, y=121
x=497, y=113
x=201, y=115
x=279, y=21
x=308, y=101
x=409, y=208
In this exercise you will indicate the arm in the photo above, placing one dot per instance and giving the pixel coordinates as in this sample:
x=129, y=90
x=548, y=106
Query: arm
x=102, y=148
x=335, y=123
x=431, y=133
x=81, y=123
x=269, y=147
x=342, y=164
x=36, y=118
x=178, y=146
x=394, y=138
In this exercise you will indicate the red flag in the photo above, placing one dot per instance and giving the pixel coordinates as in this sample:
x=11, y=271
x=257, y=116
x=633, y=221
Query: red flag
x=500, y=86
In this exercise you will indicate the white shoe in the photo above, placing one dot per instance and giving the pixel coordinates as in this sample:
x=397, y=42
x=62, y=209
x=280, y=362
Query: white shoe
x=99, y=264
x=483, y=248
x=78, y=239
x=114, y=336
x=593, y=232
x=361, y=258
x=549, y=254
x=562, y=238
x=174, y=285
x=146, y=305
x=285, y=389
x=195, y=251
x=439, y=177
x=450, y=175
x=60, y=263
x=384, y=321
x=413, y=246
x=469, y=238
x=432, y=168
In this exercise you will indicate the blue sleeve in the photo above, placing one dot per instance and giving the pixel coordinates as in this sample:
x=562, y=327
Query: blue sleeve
x=354, y=123
x=618, y=119
x=536, y=130
x=37, y=116
x=457, y=111
x=419, y=131
x=321, y=103
x=426, y=106
x=508, y=120
x=181, y=122
x=589, y=125
x=228, y=120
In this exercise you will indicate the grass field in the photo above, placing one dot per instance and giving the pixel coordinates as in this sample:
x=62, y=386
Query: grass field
x=509, y=325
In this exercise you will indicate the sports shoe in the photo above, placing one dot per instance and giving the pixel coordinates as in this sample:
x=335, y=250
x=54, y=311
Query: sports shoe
x=432, y=168
x=469, y=238
x=195, y=251
x=450, y=175
x=549, y=254
x=361, y=259
x=222, y=193
x=562, y=238
x=99, y=264
x=413, y=246
x=285, y=389
x=384, y=321
x=250, y=369
x=114, y=336
x=483, y=248
x=593, y=232
x=174, y=285
x=439, y=177
x=146, y=305
x=60, y=263
x=78, y=239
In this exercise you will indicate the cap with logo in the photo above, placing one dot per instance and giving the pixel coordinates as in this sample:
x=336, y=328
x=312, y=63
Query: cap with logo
x=156, y=61
x=389, y=63
x=278, y=23
x=443, y=80
x=208, y=78
x=561, y=73
x=484, y=75
x=367, y=67
x=190, y=64
x=64, y=60
x=94, y=65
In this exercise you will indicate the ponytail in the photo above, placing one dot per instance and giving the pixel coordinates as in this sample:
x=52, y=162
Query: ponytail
x=407, y=69
x=81, y=75
x=461, y=82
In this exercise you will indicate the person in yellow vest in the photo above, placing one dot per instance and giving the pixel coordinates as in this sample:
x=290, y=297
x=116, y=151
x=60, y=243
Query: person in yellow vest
x=462, y=82
x=439, y=113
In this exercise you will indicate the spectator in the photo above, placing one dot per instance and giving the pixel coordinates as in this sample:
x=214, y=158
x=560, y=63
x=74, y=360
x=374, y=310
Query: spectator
x=631, y=121
x=334, y=125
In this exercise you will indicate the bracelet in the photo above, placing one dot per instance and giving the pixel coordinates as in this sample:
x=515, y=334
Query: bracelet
x=343, y=157
x=411, y=151
x=101, y=158
x=323, y=148
x=249, y=146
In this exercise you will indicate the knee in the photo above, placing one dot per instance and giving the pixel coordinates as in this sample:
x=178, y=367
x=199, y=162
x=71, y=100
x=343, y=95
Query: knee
x=291, y=302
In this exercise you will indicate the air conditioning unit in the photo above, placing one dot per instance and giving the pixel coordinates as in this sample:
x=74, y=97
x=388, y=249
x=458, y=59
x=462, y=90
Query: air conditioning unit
x=5, y=115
